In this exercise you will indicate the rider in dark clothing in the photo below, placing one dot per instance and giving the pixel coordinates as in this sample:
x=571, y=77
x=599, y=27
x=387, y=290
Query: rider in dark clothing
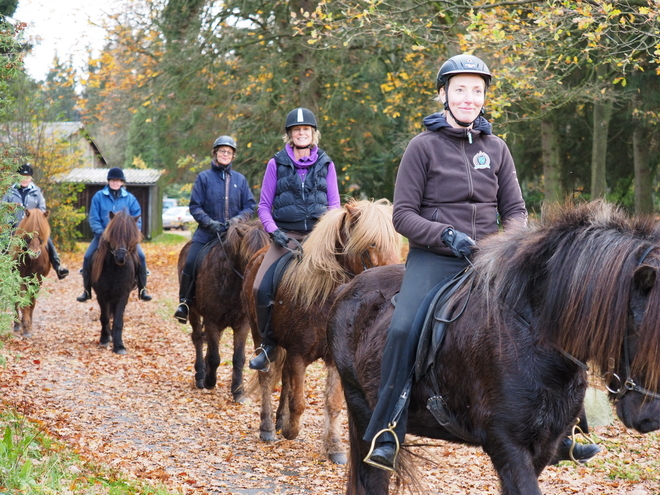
x=220, y=197
x=27, y=194
x=454, y=181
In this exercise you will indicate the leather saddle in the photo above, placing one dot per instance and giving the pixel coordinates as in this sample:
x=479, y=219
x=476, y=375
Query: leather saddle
x=441, y=311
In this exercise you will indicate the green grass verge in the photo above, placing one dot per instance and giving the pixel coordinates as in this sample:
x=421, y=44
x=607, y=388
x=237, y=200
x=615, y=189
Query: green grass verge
x=167, y=238
x=31, y=462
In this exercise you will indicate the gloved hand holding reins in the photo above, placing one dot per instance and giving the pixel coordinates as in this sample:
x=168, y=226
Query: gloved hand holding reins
x=216, y=226
x=460, y=244
x=279, y=238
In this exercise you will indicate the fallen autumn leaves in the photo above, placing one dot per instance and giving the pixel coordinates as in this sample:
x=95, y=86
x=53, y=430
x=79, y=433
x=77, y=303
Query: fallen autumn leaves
x=141, y=414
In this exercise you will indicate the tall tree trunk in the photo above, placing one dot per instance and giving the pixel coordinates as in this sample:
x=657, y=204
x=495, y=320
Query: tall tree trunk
x=602, y=116
x=643, y=190
x=550, y=157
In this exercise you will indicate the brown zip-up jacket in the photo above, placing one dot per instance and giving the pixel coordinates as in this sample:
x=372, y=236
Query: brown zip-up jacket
x=448, y=178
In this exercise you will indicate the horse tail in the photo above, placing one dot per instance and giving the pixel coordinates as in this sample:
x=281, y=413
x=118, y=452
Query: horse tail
x=98, y=260
x=252, y=388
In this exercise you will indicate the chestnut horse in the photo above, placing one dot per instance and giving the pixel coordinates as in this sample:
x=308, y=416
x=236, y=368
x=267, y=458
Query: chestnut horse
x=32, y=262
x=114, y=267
x=217, y=304
x=344, y=242
x=582, y=285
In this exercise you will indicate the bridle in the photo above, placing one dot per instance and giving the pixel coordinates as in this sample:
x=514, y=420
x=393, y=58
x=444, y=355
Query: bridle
x=629, y=384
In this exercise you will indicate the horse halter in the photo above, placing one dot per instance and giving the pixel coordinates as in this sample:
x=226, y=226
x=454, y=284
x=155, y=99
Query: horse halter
x=629, y=384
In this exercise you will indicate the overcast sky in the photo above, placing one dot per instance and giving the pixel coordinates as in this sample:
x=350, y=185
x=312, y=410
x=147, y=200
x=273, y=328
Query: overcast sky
x=62, y=27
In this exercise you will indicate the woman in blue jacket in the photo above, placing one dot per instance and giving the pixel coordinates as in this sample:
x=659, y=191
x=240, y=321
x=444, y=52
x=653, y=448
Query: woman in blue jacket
x=220, y=197
x=112, y=198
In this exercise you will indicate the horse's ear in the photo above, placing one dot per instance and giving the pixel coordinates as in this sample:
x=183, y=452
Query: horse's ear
x=644, y=278
x=353, y=211
x=136, y=218
x=112, y=215
x=27, y=213
x=46, y=213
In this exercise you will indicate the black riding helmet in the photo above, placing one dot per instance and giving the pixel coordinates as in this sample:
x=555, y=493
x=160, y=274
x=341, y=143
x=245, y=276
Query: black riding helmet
x=25, y=169
x=462, y=64
x=224, y=141
x=116, y=173
x=300, y=116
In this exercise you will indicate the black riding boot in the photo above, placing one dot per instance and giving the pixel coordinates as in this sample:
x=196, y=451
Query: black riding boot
x=55, y=260
x=87, y=283
x=569, y=450
x=143, y=295
x=383, y=451
x=185, y=298
x=268, y=347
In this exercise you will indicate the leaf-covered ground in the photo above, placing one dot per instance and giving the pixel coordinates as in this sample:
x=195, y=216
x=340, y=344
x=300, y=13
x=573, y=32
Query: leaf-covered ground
x=141, y=413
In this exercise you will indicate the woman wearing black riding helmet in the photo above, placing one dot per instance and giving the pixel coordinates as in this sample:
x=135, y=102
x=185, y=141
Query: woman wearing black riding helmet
x=300, y=185
x=220, y=197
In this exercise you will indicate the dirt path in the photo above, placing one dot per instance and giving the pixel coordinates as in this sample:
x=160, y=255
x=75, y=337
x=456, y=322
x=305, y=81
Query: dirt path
x=141, y=413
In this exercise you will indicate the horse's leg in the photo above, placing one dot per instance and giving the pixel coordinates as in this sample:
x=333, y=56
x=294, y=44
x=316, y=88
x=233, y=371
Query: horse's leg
x=238, y=361
x=118, y=326
x=212, y=360
x=18, y=319
x=105, y=322
x=282, y=414
x=515, y=468
x=27, y=319
x=266, y=384
x=294, y=369
x=198, y=339
x=333, y=404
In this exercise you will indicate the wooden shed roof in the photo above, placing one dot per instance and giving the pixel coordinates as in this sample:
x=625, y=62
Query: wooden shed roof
x=99, y=176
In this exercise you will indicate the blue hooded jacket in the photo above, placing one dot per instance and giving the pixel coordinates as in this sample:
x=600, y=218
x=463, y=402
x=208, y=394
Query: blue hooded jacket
x=103, y=203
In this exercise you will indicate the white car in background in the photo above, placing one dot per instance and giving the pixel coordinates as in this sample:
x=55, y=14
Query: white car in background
x=177, y=217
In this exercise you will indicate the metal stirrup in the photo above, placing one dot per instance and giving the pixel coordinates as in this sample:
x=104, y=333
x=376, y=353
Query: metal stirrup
x=368, y=460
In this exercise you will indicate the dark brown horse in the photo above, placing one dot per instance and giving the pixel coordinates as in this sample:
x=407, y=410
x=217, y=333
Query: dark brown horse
x=217, y=303
x=580, y=286
x=344, y=242
x=114, y=267
x=33, y=264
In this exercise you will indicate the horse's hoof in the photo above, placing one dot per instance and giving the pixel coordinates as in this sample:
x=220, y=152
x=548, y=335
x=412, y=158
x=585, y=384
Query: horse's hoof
x=27, y=335
x=209, y=384
x=338, y=458
x=239, y=398
x=121, y=352
x=267, y=436
x=199, y=384
x=103, y=345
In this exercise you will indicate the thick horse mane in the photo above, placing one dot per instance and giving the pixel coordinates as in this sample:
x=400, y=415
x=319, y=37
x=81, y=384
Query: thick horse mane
x=244, y=240
x=581, y=262
x=350, y=233
x=35, y=220
x=122, y=231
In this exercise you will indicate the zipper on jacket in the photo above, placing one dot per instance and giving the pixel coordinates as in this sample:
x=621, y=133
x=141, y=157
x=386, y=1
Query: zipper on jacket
x=302, y=191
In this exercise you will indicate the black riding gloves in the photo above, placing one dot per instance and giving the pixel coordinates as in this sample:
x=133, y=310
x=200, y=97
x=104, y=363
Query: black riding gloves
x=234, y=220
x=216, y=226
x=460, y=244
x=279, y=238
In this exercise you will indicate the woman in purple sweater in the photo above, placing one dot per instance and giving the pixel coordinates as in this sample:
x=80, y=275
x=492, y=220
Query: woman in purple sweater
x=300, y=185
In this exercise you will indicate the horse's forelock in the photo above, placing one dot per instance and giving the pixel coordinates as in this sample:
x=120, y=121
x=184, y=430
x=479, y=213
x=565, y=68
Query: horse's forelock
x=647, y=359
x=35, y=220
x=122, y=231
x=373, y=230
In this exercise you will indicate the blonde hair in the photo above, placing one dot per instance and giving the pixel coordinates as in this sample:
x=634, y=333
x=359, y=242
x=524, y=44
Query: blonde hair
x=316, y=137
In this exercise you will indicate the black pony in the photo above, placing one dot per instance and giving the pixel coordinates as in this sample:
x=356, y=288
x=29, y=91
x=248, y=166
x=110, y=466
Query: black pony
x=580, y=286
x=114, y=267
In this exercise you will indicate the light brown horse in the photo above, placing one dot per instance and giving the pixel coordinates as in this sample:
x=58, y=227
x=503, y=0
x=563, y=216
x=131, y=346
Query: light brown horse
x=33, y=264
x=217, y=304
x=344, y=242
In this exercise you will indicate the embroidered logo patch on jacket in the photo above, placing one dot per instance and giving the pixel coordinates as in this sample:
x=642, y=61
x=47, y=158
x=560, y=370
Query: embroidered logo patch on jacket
x=481, y=160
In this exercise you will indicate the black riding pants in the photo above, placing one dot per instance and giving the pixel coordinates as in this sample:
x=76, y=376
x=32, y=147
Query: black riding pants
x=186, y=288
x=424, y=270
